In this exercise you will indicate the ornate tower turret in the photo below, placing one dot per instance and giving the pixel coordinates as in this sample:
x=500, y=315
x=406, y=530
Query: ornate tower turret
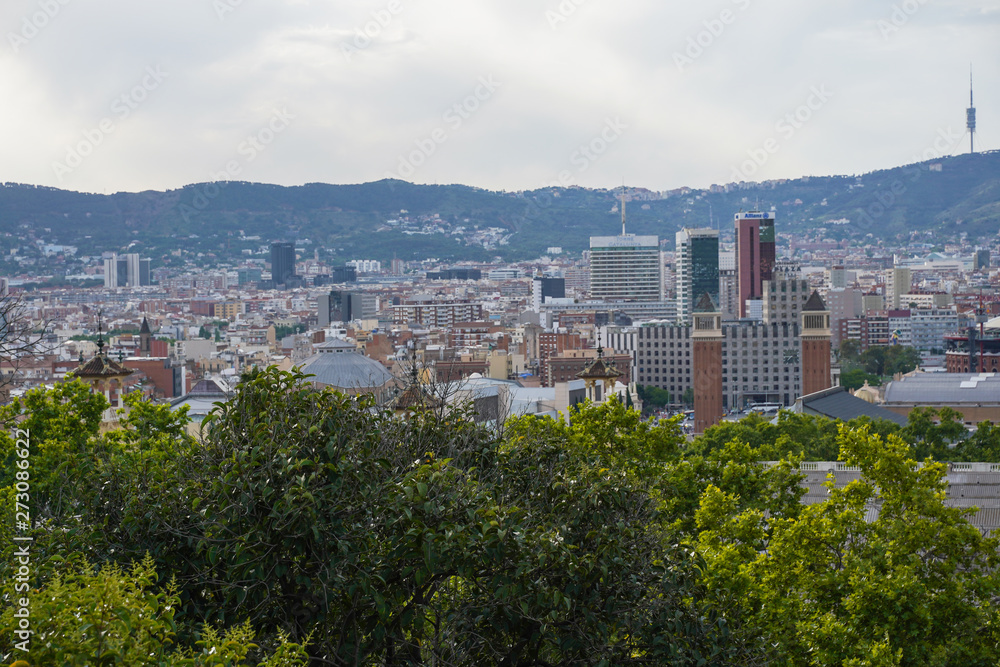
x=104, y=374
x=599, y=371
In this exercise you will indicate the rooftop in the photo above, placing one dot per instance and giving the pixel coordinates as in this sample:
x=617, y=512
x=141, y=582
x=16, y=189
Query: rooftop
x=945, y=389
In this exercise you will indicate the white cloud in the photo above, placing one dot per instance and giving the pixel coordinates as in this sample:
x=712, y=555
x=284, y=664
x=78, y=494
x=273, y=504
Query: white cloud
x=368, y=80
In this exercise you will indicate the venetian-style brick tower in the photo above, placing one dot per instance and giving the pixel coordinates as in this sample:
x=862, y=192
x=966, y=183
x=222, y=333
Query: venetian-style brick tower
x=815, y=345
x=706, y=333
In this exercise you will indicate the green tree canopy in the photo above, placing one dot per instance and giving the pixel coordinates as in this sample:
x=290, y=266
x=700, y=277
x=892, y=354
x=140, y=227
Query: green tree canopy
x=882, y=573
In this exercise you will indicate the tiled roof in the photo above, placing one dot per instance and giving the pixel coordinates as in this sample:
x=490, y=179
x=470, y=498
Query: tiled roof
x=599, y=370
x=100, y=366
x=705, y=304
x=838, y=403
x=815, y=303
x=945, y=389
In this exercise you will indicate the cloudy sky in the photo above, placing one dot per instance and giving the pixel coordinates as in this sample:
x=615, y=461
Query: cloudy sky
x=109, y=95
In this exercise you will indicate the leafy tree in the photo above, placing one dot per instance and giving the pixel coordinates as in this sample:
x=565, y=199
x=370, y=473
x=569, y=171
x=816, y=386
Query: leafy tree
x=850, y=350
x=63, y=424
x=808, y=437
x=113, y=616
x=981, y=445
x=736, y=468
x=911, y=586
x=900, y=359
x=930, y=432
x=888, y=360
x=855, y=379
x=653, y=397
x=282, y=331
x=406, y=541
x=688, y=397
x=873, y=360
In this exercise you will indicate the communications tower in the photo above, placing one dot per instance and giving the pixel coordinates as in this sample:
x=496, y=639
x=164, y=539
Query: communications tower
x=970, y=117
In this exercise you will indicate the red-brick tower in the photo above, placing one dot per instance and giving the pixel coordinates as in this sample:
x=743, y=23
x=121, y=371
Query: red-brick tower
x=815, y=336
x=706, y=334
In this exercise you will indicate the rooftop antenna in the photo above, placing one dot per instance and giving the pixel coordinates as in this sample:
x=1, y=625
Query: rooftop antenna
x=970, y=116
x=711, y=219
x=623, y=207
x=100, y=334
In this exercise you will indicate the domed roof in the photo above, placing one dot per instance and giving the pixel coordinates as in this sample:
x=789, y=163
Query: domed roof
x=348, y=371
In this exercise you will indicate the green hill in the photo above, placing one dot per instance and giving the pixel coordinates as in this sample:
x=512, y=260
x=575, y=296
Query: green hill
x=946, y=196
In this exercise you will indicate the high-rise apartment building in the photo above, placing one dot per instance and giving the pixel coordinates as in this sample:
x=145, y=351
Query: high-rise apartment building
x=755, y=254
x=760, y=362
x=545, y=288
x=282, y=262
x=897, y=285
x=339, y=306
x=697, y=268
x=625, y=268
x=127, y=271
x=728, y=295
x=784, y=294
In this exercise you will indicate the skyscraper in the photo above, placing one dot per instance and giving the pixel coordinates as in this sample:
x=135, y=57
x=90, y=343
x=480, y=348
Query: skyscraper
x=898, y=284
x=625, y=268
x=754, y=254
x=339, y=306
x=282, y=262
x=543, y=288
x=126, y=271
x=697, y=268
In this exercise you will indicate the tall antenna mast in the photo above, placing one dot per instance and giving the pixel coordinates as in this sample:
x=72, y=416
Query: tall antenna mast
x=970, y=117
x=623, y=208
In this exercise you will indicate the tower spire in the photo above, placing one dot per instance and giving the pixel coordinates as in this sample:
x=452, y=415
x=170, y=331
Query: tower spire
x=970, y=117
x=623, y=207
x=100, y=334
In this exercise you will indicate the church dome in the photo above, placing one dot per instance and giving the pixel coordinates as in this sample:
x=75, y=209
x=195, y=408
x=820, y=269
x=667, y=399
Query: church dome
x=348, y=372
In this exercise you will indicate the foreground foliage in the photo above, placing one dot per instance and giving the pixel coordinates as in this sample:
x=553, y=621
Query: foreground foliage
x=913, y=585
x=307, y=526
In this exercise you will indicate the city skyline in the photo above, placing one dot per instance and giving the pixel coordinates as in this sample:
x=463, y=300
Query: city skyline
x=512, y=96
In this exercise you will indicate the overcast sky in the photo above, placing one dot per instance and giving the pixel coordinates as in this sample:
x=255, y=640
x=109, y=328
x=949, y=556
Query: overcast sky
x=109, y=95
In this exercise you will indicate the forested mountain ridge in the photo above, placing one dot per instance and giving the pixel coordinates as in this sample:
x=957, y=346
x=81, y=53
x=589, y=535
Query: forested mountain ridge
x=947, y=196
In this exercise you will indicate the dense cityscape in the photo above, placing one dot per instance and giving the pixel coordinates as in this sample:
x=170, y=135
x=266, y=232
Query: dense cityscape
x=535, y=324
x=559, y=334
